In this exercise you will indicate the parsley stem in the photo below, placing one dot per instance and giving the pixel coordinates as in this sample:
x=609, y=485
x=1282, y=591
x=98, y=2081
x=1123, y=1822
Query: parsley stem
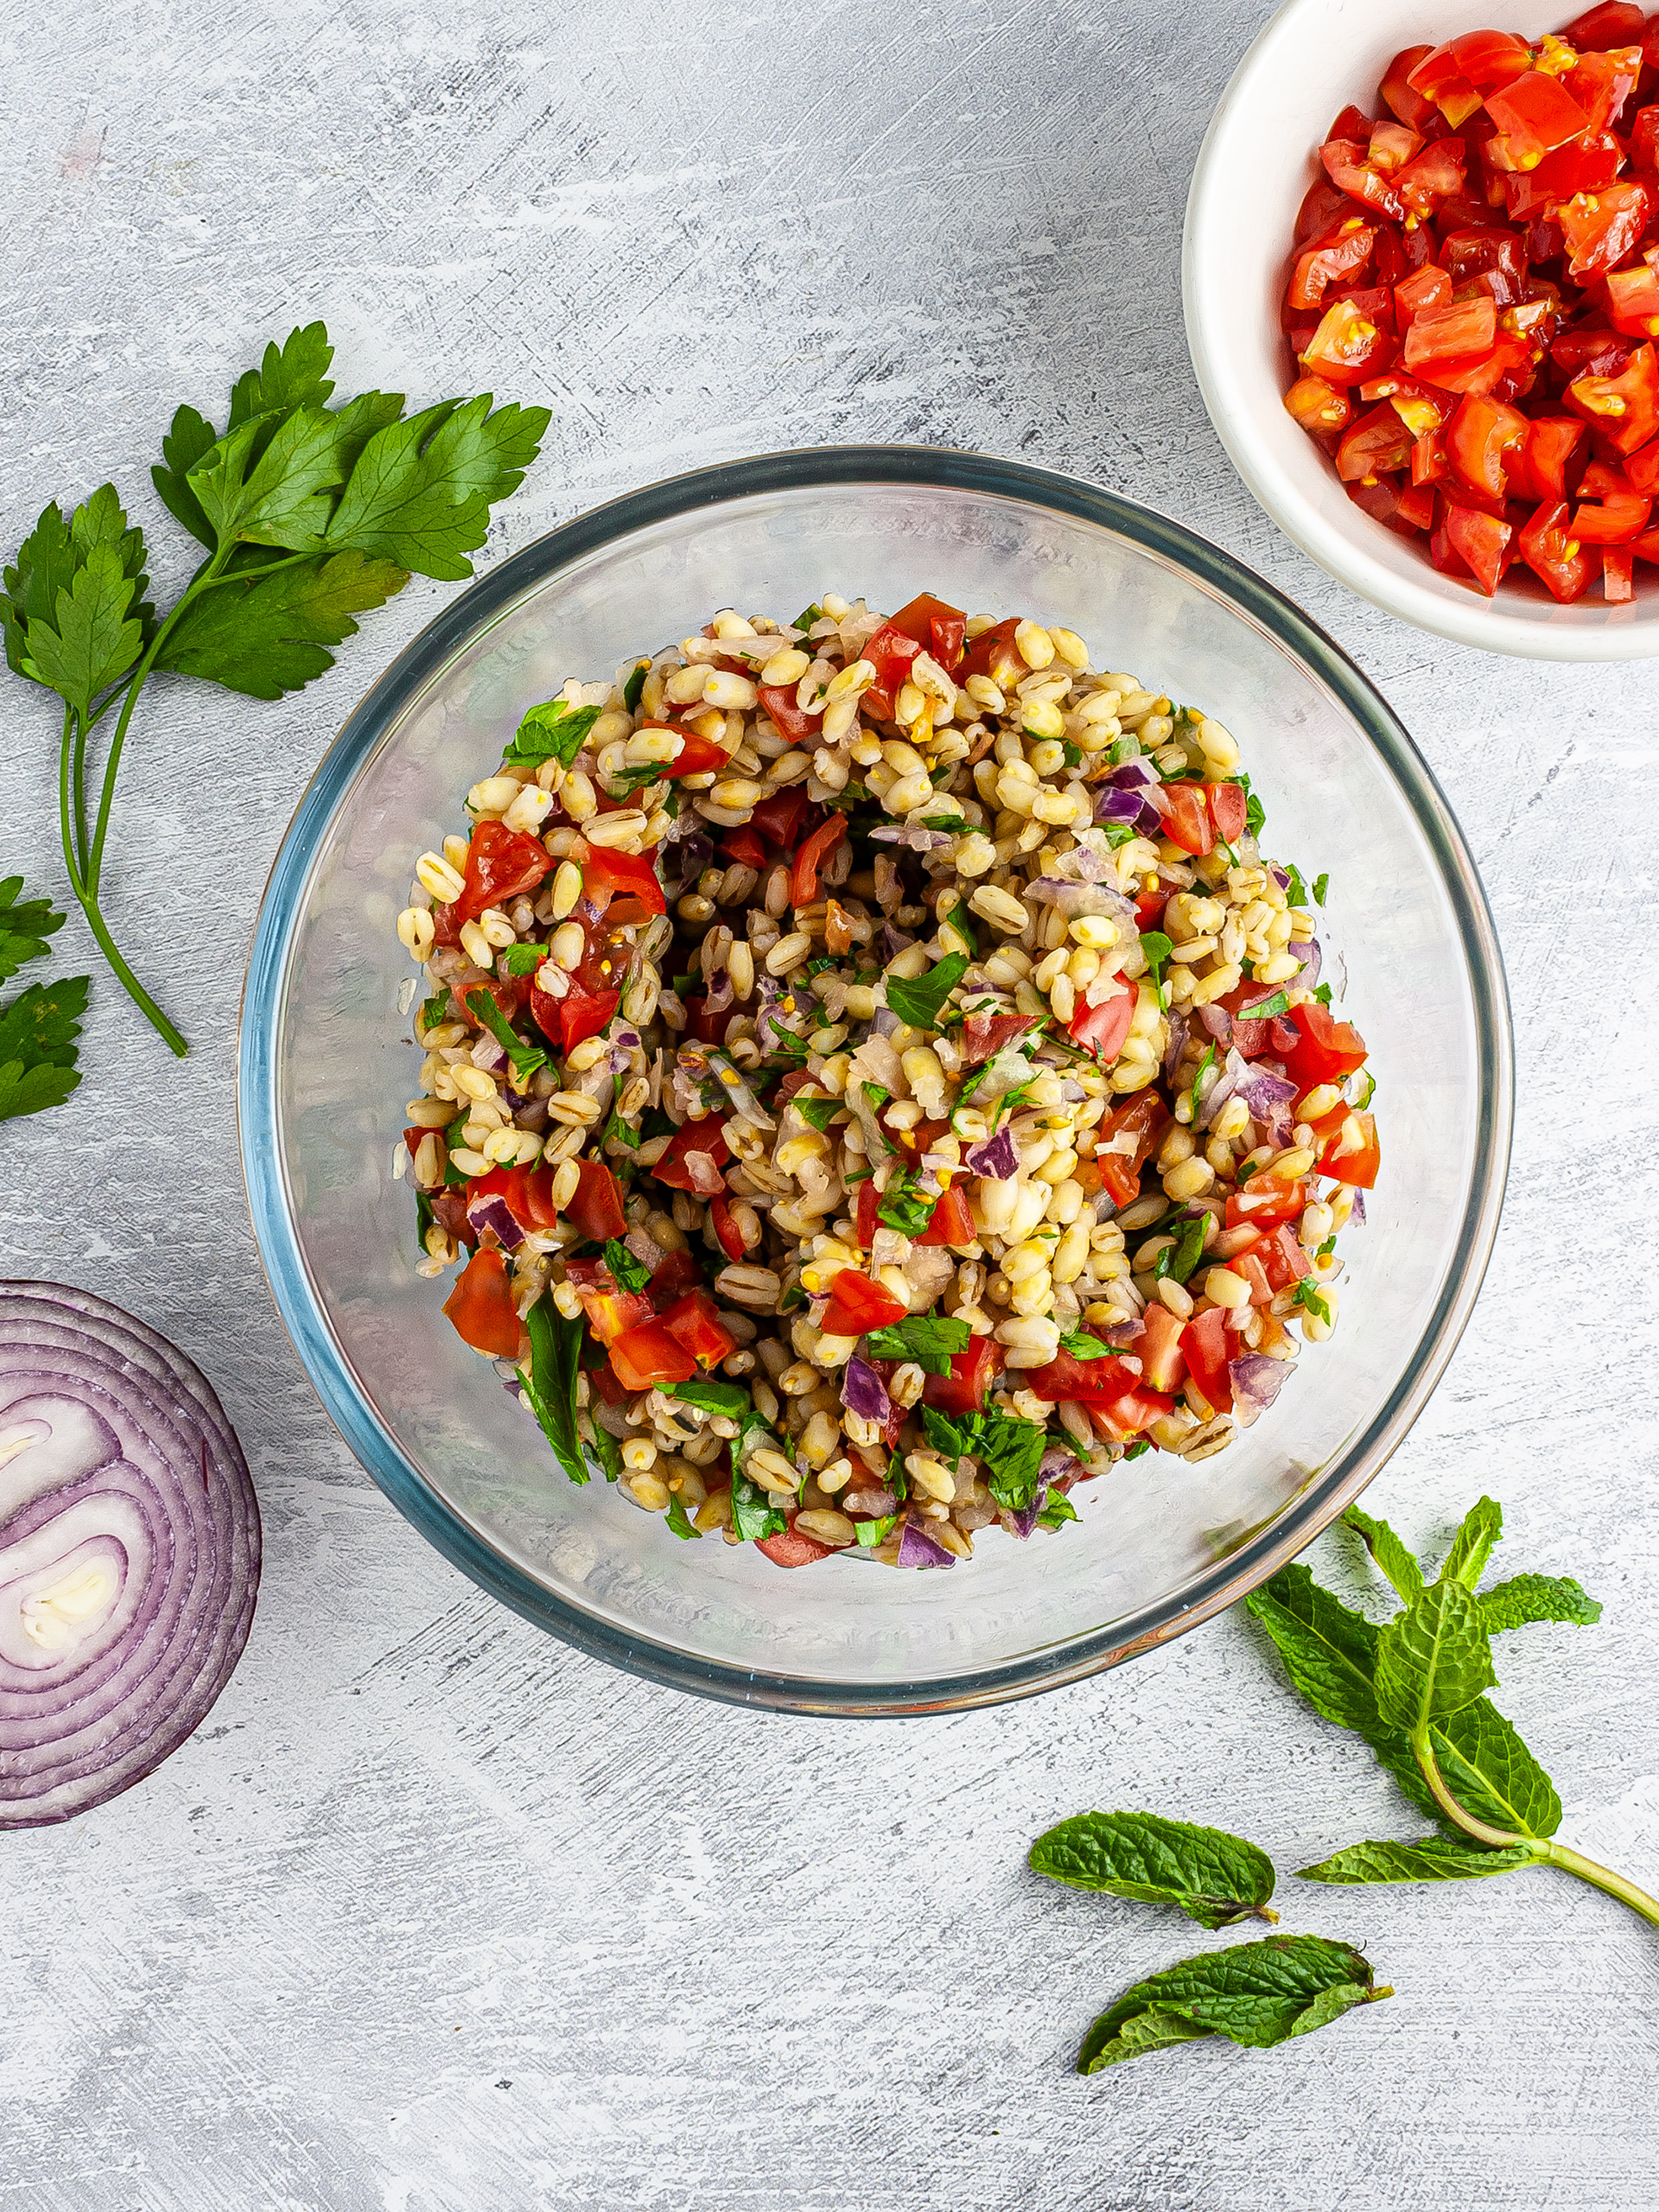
x=1550, y=1853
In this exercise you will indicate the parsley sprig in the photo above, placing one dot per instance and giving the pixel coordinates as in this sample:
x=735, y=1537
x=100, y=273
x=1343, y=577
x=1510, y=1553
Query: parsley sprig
x=38, y=1030
x=310, y=514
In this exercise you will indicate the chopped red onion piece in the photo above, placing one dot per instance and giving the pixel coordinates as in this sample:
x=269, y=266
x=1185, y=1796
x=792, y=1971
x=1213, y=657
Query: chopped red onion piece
x=913, y=835
x=1216, y=1019
x=1024, y=1520
x=1312, y=960
x=995, y=1158
x=1233, y=1070
x=1180, y=1030
x=1357, y=1217
x=884, y=1023
x=876, y=1501
x=1257, y=1379
x=864, y=1393
x=916, y=1548
x=705, y=1179
x=128, y=1551
x=894, y=940
x=492, y=1211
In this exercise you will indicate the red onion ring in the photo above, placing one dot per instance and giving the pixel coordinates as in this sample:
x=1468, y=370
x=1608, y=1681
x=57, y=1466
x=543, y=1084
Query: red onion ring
x=130, y=1548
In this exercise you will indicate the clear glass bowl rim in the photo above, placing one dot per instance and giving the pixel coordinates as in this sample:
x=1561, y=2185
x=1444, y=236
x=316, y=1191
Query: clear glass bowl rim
x=425, y=657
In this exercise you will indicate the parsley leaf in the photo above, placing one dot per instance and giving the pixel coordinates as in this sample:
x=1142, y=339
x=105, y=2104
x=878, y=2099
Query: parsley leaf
x=1082, y=1345
x=523, y=1058
x=872, y=1533
x=1309, y=1299
x=930, y=1340
x=1255, y=815
x=1157, y=948
x=1321, y=884
x=74, y=613
x=553, y=731
x=1265, y=1009
x=420, y=492
x=635, y=685
x=1056, y=1508
x=549, y=1380
x=522, y=959
x=1323, y=993
x=1295, y=890
x=1011, y=1451
x=954, y=1441
x=818, y=1113
x=677, y=1519
x=1204, y=1068
x=920, y=1001
x=37, y=1046
x=626, y=1272
x=905, y=1207
x=266, y=633
x=23, y=928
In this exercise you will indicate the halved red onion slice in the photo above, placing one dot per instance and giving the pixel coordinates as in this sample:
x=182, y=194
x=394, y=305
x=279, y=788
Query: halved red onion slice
x=130, y=1549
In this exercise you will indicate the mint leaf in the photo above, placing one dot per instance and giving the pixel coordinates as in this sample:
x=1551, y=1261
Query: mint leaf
x=1295, y=890
x=626, y=1272
x=1386, y=1548
x=24, y=926
x=1214, y=1878
x=753, y=1516
x=952, y=1440
x=635, y=685
x=1491, y=1773
x=727, y=1398
x=1431, y=1859
x=1321, y=884
x=1432, y=1659
x=420, y=492
x=920, y=1001
x=1310, y=1299
x=1329, y=1650
x=553, y=731
x=1256, y=1994
x=524, y=1059
x=607, y=1450
x=548, y=1381
x=1528, y=1598
x=930, y=1340
x=1472, y=1546
x=264, y=635
x=872, y=1533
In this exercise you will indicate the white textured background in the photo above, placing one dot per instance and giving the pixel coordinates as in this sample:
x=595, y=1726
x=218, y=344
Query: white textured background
x=434, y=1914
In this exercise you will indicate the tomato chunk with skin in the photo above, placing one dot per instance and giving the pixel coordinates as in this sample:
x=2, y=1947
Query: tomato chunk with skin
x=650, y=1353
x=857, y=1305
x=966, y=1388
x=1264, y=1202
x=501, y=864
x=1159, y=1349
x=726, y=1229
x=1228, y=811
x=1333, y=260
x=605, y=872
x=596, y=1207
x=1103, y=1029
x=1348, y=345
x=938, y=628
x=1483, y=542
x=1283, y=1261
x=1188, y=822
x=1353, y=1154
x=1600, y=228
x=1129, y=1137
x=480, y=1306
x=706, y=1137
x=695, y=1322
x=1554, y=554
x=1080, y=1381
x=791, y=1550
x=1327, y=1051
x=951, y=1222
x=804, y=876
x=1320, y=407
x=1204, y=1348
x=1623, y=408
x=1377, y=445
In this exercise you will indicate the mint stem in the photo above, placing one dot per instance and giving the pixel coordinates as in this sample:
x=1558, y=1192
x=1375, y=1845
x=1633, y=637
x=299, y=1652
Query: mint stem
x=1550, y=1853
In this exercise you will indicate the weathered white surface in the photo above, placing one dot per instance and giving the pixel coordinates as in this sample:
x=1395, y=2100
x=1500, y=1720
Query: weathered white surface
x=433, y=1914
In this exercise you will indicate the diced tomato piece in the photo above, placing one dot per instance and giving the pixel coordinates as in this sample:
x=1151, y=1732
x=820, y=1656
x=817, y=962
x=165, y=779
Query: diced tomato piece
x=1479, y=439
x=1615, y=520
x=1482, y=542
x=1084, y=1381
x=1601, y=228
x=726, y=1229
x=695, y=1322
x=1252, y=1036
x=1352, y=1154
x=1435, y=176
x=1348, y=346
x=890, y=652
x=744, y=846
x=1130, y=1415
x=1487, y=60
x=575, y=1017
x=1377, y=445
x=1249, y=1264
x=968, y=1386
x=501, y=864
x=789, y=1550
x=1614, y=22
x=1327, y=1051
x=1129, y=1137
x=1625, y=408
x=1228, y=811
x=1603, y=82
x=1555, y=556
x=605, y=872
x=993, y=653
x=1447, y=336
x=596, y=1207
x=1401, y=99
x=793, y=722
x=1426, y=288
x=1351, y=123
x=1390, y=146
x=706, y=1136
x=1204, y=1348
x=1283, y=1260
x=952, y=1224
x=1335, y=260
x=857, y=1305
x=1535, y=114
x=697, y=756
x=1582, y=165
x=1618, y=574
x=937, y=627
x=1264, y=1201
x=528, y=1191
x=1159, y=1348
x=705, y=1027
x=603, y=1379
x=1348, y=165
x=804, y=876
x=1320, y=407
x=1633, y=297
x=1102, y=1029
x=1416, y=506
x=1539, y=471
x=779, y=817
x=649, y=1354
x=866, y=1217
x=610, y=1311
x=480, y=1306
x=1188, y=822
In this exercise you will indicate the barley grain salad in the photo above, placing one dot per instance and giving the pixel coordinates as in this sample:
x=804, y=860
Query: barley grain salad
x=876, y=1083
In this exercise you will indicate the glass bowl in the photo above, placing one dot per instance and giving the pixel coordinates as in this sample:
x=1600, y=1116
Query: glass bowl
x=325, y=1065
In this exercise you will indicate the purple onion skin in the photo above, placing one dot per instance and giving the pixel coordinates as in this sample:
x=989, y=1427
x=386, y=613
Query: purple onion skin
x=916, y=1550
x=131, y=1429
x=1257, y=1377
x=863, y=1392
x=995, y=1158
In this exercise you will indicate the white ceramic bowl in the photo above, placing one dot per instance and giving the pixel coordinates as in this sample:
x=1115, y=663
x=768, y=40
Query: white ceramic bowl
x=1258, y=159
